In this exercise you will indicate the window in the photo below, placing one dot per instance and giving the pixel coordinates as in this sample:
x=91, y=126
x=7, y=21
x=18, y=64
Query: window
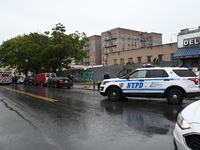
x=139, y=59
x=139, y=74
x=161, y=57
x=115, y=61
x=121, y=60
x=130, y=59
x=122, y=35
x=5, y=75
x=157, y=73
x=149, y=58
x=172, y=54
x=185, y=73
x=131, y=37
x=48, y=74
x=52, y=75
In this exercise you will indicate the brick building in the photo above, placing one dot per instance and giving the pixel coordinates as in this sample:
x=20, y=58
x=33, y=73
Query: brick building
x=93, y=48
x=153, y=54
x=116, y=40
x=120, y=39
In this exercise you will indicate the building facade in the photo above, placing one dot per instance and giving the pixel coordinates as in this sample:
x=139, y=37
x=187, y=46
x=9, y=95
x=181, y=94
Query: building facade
x=119, y=39
x=153, y=54
x=93, y=48
x=188, y=52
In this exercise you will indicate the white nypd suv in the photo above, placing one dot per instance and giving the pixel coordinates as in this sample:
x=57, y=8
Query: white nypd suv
x=173, y=83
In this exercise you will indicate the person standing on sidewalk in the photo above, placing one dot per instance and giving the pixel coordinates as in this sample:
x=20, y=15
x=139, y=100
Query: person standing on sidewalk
x=106, y=76
x=70, y=76
x=15, y=79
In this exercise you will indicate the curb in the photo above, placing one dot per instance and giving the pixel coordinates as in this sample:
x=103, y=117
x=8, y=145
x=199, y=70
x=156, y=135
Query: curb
x=85, y=86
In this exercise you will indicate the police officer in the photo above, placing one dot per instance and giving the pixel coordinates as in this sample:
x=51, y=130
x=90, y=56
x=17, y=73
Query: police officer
x=106, y=76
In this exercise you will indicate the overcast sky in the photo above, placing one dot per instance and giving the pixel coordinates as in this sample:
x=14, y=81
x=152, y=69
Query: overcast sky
x=168, y=17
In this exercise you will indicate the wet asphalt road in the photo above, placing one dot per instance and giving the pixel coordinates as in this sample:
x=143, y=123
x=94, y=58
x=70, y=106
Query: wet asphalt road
x=78, y=119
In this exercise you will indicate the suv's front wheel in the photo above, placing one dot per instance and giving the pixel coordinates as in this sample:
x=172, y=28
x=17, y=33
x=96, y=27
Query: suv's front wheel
x=114, y=94
x=175, y=96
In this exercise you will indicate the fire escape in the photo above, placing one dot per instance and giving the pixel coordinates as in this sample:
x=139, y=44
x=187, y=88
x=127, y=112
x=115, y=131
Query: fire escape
x=87, y=58
x=110, y=43
x=142, y=40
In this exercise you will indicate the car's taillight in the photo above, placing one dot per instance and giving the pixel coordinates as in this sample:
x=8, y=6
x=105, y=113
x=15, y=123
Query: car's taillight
x=195, y=80
x=60, y=80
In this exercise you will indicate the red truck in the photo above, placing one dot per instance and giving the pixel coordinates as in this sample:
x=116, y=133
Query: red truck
x=42, y=78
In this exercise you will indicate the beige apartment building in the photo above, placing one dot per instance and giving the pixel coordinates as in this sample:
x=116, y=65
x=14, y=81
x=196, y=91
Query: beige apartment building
x=153, y=54
x=119, y=39
x=93, y=48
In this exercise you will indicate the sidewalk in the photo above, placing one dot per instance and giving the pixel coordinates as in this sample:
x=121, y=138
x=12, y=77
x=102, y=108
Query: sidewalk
x=85, y=85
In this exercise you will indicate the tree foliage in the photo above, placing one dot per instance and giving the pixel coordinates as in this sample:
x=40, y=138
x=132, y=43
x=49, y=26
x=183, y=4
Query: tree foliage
x=24, y=52
x=36, y=52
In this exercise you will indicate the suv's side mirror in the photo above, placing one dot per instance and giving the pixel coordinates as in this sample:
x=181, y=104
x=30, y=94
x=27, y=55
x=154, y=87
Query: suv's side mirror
x=127, y=77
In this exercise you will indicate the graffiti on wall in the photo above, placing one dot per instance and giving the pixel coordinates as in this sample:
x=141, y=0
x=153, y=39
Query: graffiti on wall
x=96, y=74
x=81, y=75
x=87, y=76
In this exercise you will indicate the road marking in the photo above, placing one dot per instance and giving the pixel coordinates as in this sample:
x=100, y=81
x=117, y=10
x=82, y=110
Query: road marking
x=33, y=95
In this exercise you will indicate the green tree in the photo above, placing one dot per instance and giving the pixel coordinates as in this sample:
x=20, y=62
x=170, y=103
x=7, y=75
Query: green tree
x=36, y=52
x=24, y=52
x=63, y=49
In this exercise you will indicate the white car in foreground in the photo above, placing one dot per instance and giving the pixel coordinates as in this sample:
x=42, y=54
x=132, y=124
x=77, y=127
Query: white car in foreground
x=187, y=129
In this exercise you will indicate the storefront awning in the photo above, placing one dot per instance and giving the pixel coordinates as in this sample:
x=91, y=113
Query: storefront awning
x=188, y=52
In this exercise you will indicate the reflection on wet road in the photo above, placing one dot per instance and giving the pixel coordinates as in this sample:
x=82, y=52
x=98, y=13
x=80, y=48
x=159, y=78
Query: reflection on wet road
x=83, y=120
x=33, y=95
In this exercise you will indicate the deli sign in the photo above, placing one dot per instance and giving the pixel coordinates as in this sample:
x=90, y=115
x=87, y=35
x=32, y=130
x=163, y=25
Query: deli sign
x=191, y=42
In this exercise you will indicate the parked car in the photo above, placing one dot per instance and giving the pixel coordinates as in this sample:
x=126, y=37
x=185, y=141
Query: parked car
x=173, y=83
x=42, y=78
x=59, y=82
x=29, y=80
x=187, y=128
x=20, y=79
